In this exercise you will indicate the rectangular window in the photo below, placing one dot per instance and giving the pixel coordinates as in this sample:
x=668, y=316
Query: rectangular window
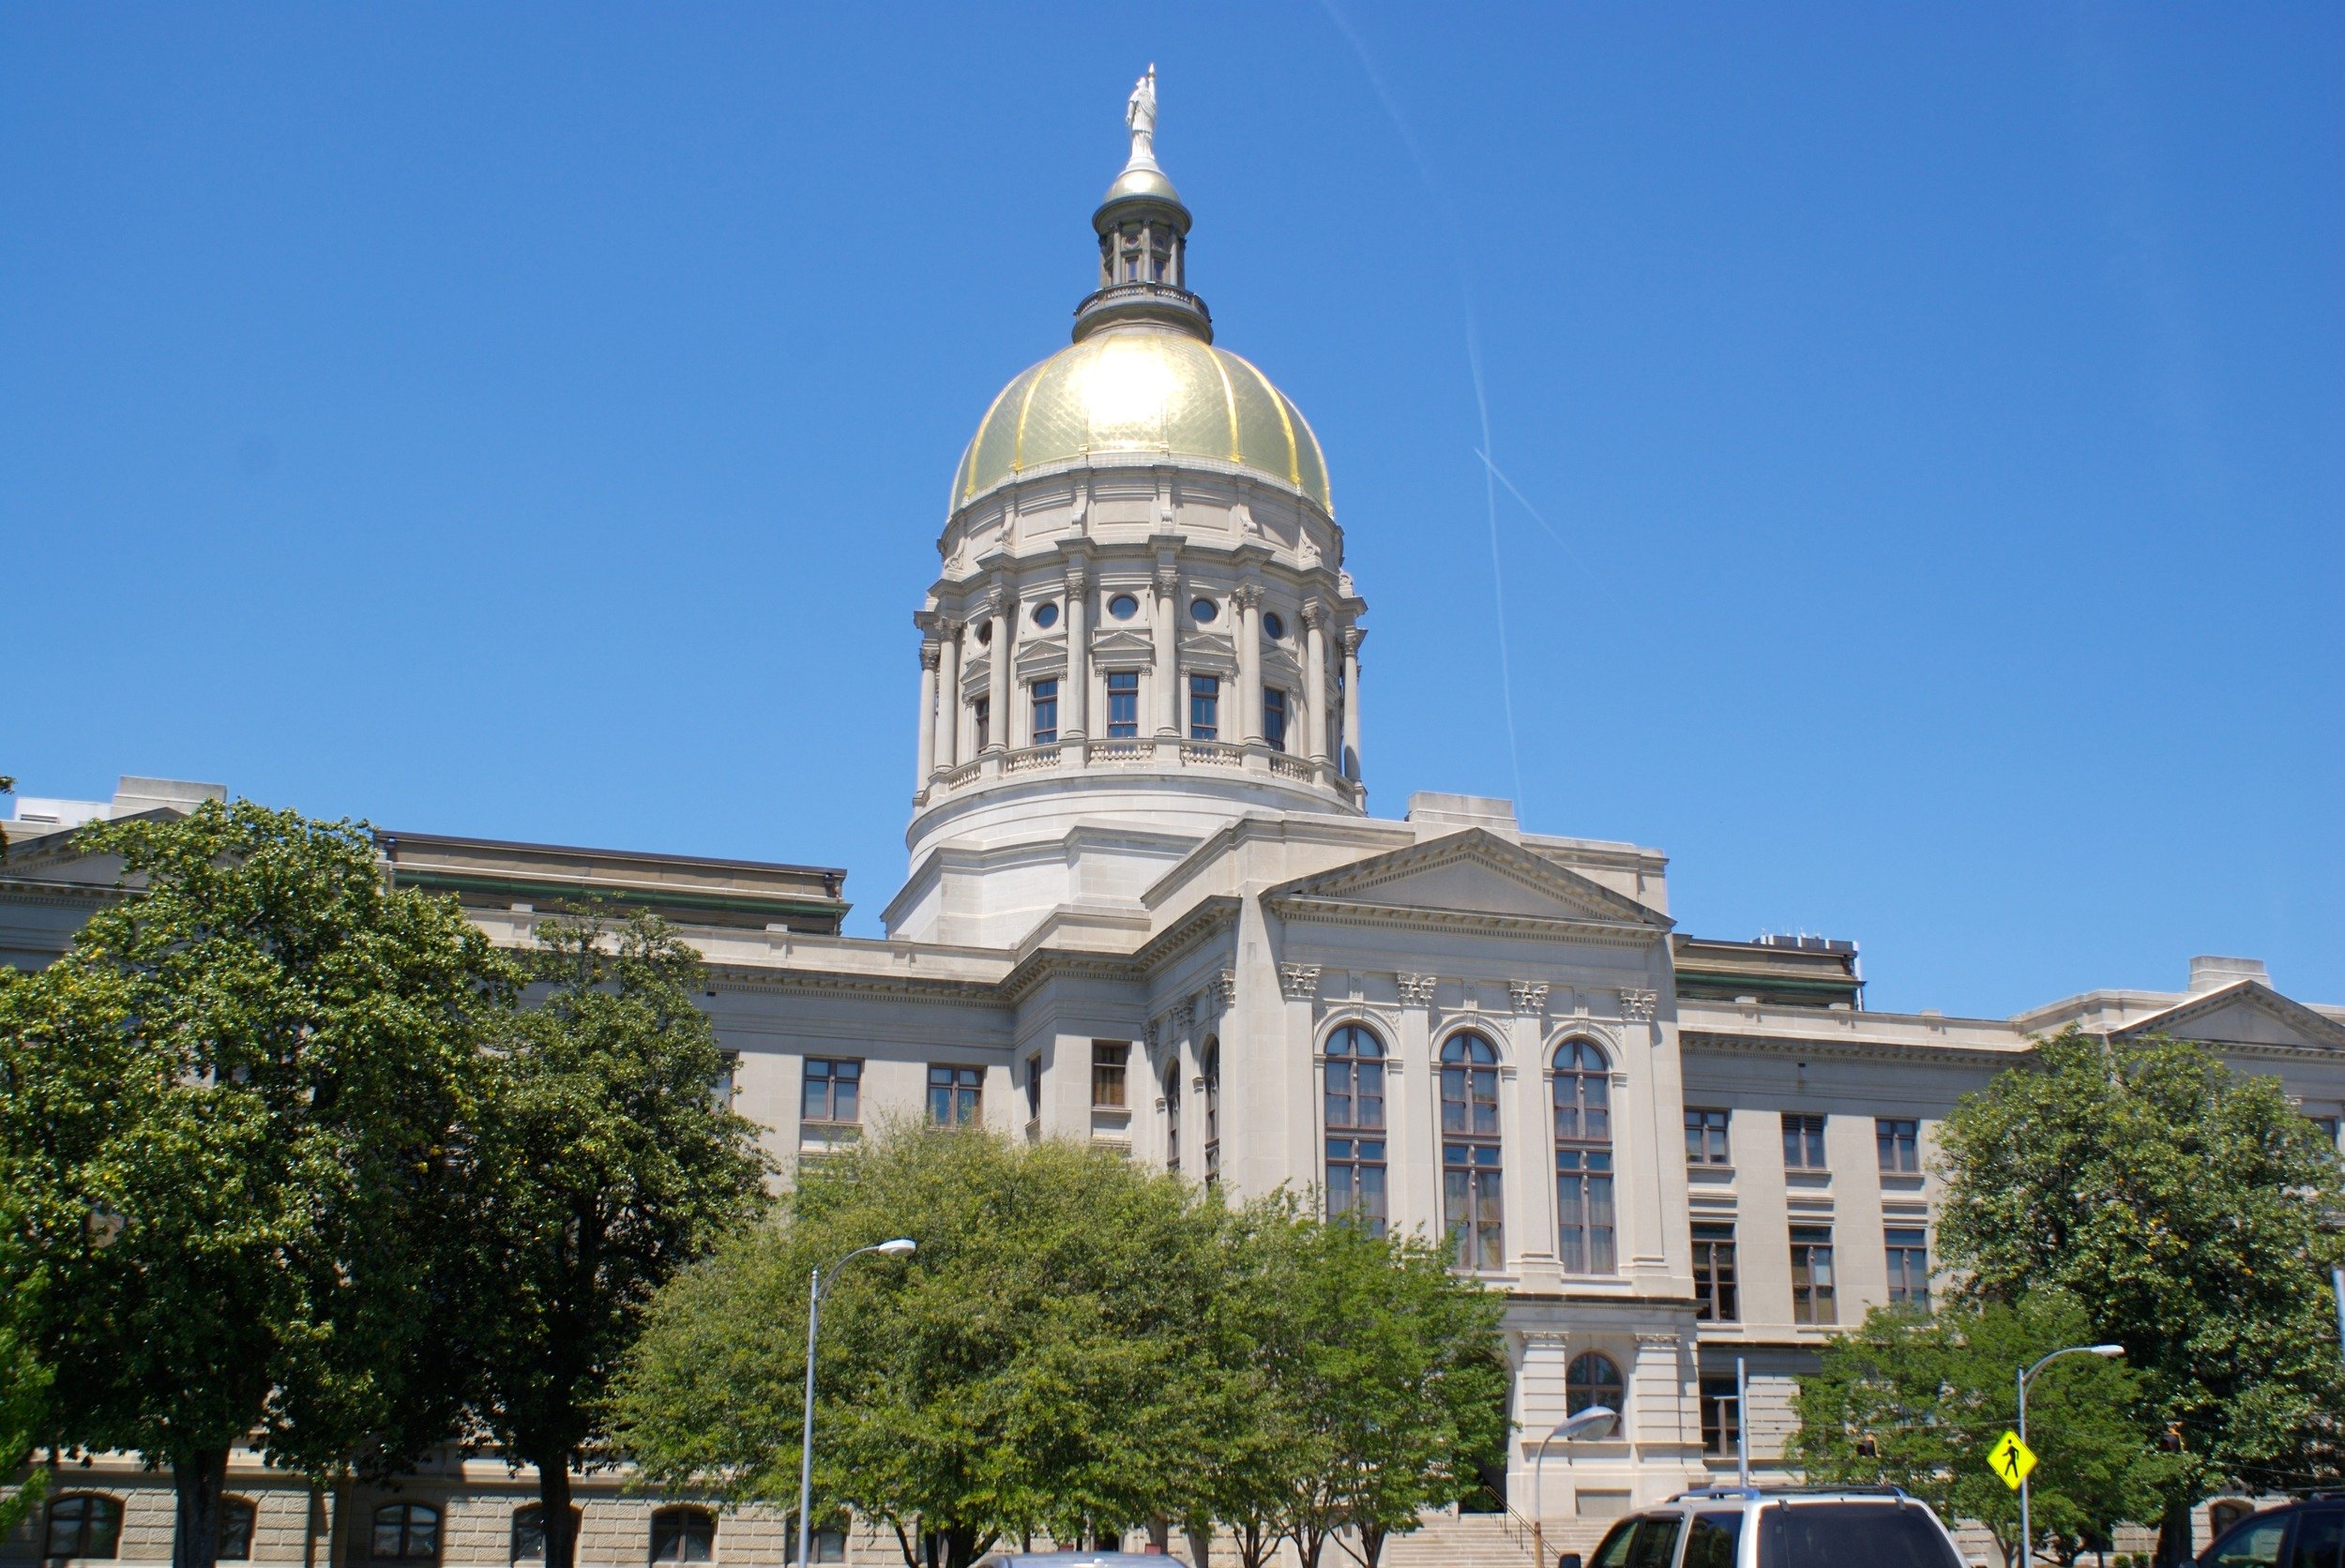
x=1909, y=1266
x=833, y=1096
x=1122, y=705
x=2328, y=1126
x=1586, y=1225
x=1046, y=713
x=1898, y=1140
x=1705, y=1137
x=982, y=712
x=1107, y=1073
x=1355, y=1182
x=1811, y=1275
x=1204, y=707
x=1034, y=1089
x=1273, y=717
x=1713, y=1274
x=1721, y=1416
x=953, y=1095
x=1803, y=1142
x=1474, y=1205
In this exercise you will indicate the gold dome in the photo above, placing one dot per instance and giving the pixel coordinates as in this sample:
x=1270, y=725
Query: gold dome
x=1142, y=389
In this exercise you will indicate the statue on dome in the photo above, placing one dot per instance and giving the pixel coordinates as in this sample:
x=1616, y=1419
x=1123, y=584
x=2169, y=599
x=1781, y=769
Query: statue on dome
x=1139, y=113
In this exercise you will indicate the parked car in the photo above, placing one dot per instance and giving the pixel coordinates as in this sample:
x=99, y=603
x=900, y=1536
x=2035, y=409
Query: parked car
x=2307, y=1534
x=1078, y=1560
x=1772, y=1526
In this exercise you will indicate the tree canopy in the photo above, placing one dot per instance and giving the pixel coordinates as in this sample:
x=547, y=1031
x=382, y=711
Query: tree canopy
x=1918, y=1399
x=2184, y=1208
x=232, y=1112
x=609, y=1161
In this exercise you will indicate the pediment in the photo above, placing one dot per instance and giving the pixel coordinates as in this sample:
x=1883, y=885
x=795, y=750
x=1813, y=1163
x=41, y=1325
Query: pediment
x=1464, y=877
x=2246, y=1013
x=1121, y=644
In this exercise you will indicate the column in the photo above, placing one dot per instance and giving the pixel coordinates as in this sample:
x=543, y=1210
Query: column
x=1074, y=697
x=1313, y=720
x=1351, y=761
x=926, y=742
x=1247, y=600
x=1167, y=671
x=948, y=694
x=1004, y=616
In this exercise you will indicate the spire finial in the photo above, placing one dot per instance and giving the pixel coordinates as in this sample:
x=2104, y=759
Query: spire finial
x=1139, y=113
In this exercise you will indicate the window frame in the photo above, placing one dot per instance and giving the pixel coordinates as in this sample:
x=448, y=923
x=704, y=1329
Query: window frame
x=1898, y=1145
x=1718, y=1272
x=981, y=721
x=1111, y=1066
x=833, y=1081
x=1815, y=1294
x=1804, y=1140
x=1173, y=1116
x=1357, y=1179
x=1472, y=1155
x=107, y=1505
x=1042, y=709
x=1721, y=1416
x=956, y=1090
x=1904, y=1247
x=521, y=1520
x=1123, y=700
x=1204, y=706
x=1709, y=1141
x=1273, y=717
x=410, y=1512
x=1209, y=1068
x=1587, y=1212
x=230, y=1506
x=1593, y=1387
x=680, y=1516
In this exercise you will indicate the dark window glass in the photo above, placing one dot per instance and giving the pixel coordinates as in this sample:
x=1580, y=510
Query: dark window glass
x=406, y=1532
x=1356, y=1125
x=1897, y=1139
x=1705, y=1137
x=1045, y=712
x=1909, y=1266
x=1203, y=611
x=1721, y=1416
x=83, y=1525
x=1803, y=1142
x=1204, y=707
x=1592, y=1379
x=1811, y=1275
x=1122, y=705
x=983, y=710
x=1272, y=626
x=1710, y=1539
x=1713, y=1273
x=1877, y=1534
x=1647, y=1543
x=1046, y=615
x=529, y=1533
x=1123, y=606
x=1273, y=717
x=1172, y=1118
x=953, y=1095
x=682, y=1535
x=1107, y=1073
x=1472, y=1180
x=828, y=1546
x=2320, y=1539
x=1034, y=1089
x=833, y=1092
x=1211, y=1062
x=1585, y=1225
x=236, y=1530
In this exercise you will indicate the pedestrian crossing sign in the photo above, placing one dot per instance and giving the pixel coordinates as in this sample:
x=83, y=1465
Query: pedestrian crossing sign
x=2011, y=1459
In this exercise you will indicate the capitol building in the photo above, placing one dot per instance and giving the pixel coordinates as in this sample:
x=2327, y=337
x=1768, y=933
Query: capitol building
x=1148, y=904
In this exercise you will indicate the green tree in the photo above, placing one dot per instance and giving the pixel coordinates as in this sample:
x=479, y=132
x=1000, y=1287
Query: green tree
x=24, y=1376
x=1919, y=1399
x=1380, y=1382
x=607, y=1167
x=1042, y=1363
x=234, y=1111
x=2184, y=1208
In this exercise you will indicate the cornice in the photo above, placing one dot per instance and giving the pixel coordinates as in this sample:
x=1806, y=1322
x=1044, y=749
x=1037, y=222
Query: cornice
x=1348, y=912
x=1207, y=917
x=1854, y=1050
x=902, y=987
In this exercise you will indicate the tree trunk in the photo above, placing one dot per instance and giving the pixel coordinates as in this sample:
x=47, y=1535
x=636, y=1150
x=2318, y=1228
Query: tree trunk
x=553, y=1510
x=198, y=1480
x=1200, y=1535
x=2174, y=1536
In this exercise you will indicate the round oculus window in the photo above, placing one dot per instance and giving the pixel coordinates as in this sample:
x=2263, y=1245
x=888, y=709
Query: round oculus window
x=1046, y=615
x=985, y=632
x=1272, y=626
x=1123, y=606
x=1203, y=611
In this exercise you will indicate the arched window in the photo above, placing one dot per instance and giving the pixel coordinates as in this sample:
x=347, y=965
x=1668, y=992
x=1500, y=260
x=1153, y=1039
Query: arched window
x=1173, y=1117
x=236, y=1530
x=1355, y=1128
x=406, y=1532
x=1583, y=1159
x=1471, y=1203
x=682, y=1535
x=1591, y=1380
x=83, y=1524
x=529, y=1533
x=1213, y=1111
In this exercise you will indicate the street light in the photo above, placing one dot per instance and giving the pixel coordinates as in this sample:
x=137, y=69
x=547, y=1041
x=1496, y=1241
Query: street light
x=816, y=1284
x=2027, y=1374
x=1593, y=1422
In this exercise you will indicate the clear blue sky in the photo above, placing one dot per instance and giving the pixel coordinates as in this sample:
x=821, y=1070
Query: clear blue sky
x=536, y=421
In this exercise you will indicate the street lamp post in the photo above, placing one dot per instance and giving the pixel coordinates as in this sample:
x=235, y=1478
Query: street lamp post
x=1587, y=1423
x=816, y=1284
x=2027, y=1374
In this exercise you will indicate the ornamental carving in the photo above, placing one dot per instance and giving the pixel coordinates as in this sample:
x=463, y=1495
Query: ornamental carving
x=1167, y=581
x=1530, y=995
x=1225, y=988
x=1245, y=595
x=1299, y=981
x=1184, y=1016
x=1417, y=990
x=1639, y=1006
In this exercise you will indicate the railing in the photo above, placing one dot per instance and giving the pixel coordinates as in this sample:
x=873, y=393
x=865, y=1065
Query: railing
x=1033, y=757
x=1122, y=754
x=953, y=779
x=1216, y=754
x=1292, y=767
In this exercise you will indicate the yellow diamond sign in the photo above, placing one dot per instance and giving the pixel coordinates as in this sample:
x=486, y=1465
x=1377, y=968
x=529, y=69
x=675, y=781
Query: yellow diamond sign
x=2011, y=1459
